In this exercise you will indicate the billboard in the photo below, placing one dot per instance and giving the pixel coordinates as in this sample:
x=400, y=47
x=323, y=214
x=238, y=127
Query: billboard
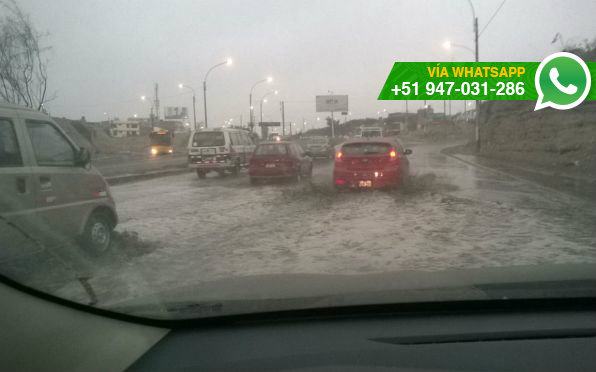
x=175, y=112
x=332, y=103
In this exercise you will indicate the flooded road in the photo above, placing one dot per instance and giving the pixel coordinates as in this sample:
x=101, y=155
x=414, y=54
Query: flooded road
x=178, y=231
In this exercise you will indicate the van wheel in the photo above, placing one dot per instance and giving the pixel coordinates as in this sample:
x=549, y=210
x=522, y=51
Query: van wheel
x=97, y=236
x=254, y=181
x=201, y=174
x=236, y=170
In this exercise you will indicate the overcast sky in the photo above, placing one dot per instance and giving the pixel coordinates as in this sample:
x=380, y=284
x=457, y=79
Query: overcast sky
x=106, y=54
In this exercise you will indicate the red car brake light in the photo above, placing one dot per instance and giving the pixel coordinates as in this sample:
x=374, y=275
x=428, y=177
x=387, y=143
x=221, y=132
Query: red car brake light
x=392, y=154
x=339, y=155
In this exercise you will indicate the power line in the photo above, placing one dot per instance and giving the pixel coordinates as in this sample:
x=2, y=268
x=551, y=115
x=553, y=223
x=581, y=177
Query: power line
x=109, y=103
x=493, y=16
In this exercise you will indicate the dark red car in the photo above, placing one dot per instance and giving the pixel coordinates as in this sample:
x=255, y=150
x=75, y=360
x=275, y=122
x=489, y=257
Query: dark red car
x=279, y=159
x=375, y=163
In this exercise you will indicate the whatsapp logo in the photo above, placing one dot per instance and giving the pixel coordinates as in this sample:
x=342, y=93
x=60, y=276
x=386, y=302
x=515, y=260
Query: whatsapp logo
x=562, y=81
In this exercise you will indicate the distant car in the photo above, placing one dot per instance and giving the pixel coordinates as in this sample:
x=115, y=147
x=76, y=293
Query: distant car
x=369, y=132
x=318, y=147
x=281, y=159
x=274, y=137
x=377, y=163
x=220, y=150
x=48, y=188
x=391, y=133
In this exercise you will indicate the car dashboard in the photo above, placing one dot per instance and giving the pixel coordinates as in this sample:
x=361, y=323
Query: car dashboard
x=41, y=334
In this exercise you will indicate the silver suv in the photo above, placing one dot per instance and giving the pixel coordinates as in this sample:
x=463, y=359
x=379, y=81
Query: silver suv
x=48, y=188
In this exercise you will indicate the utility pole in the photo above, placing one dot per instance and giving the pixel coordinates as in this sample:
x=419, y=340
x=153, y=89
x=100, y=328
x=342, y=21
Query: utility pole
x=332, y=126
x=477, y=102
x=152, y=119
x=283, y=118
x=406, y=121
x=157, y=102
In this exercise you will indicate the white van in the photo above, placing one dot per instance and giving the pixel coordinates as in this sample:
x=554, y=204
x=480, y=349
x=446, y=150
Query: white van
x=48, y=188
x=220, y=150
x=370, y=132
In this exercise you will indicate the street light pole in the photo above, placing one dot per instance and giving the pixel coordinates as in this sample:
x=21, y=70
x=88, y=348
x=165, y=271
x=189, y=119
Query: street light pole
x=264, y=100
x=205, y=100
x=261, y=110
x=251, y=108
x=227, y=62
x=477, y=59
x=194, y=111
x=477, y=129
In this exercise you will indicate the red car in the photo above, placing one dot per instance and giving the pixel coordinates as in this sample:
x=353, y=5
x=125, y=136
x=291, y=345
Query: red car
x=375, y=163
x=279, y=159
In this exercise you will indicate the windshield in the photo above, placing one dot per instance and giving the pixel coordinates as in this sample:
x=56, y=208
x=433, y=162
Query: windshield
x=367, y=148
x=371, y=133
x=272, y=149
x=316, y=141
x=318, y=153
x=208, y=139
x=160, y=139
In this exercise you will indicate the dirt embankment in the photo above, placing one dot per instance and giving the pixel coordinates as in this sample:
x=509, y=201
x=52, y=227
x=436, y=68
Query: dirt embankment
x=557, y=141
x=94, y=137
x=441, y=133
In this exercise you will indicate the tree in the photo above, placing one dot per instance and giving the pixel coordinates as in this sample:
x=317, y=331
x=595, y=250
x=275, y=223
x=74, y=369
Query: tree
x=23, y=66
x=328, y=120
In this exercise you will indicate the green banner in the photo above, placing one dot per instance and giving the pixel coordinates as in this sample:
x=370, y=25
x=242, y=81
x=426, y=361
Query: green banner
x=467, y=81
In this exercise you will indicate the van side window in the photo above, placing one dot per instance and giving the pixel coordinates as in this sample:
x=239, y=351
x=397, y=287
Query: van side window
x=234, y=138
x=294, y=150
x=10, y=154
x=49, y=145
x=247, y=140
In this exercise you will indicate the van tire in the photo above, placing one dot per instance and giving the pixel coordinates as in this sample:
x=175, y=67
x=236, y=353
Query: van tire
x=98, y=234
x=236, y=170
x=201, y=174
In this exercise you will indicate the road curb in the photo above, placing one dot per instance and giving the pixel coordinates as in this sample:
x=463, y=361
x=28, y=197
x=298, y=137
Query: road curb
x=118, y=180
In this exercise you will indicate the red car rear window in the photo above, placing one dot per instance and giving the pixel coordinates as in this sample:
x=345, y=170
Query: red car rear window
x=272, y=149
x=366, y=148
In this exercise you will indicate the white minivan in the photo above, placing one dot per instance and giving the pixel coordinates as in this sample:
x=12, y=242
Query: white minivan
x=220, y=150
x=49, y=191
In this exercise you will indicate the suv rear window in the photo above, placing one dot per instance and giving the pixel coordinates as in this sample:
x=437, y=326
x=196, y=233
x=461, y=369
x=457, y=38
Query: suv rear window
x=366, y=148
x=371, y=133
x=208, y=139
x=272, y=149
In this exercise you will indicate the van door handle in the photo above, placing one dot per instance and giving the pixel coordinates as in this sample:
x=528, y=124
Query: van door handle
x=21, y=185
x=45, y=183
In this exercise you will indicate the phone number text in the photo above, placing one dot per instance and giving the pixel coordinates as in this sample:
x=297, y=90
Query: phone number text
x=465, y=88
